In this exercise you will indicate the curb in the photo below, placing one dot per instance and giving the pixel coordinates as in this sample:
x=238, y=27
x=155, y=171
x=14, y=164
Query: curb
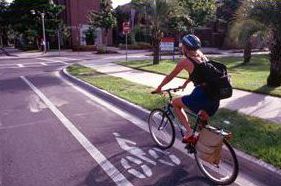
x=249, y=165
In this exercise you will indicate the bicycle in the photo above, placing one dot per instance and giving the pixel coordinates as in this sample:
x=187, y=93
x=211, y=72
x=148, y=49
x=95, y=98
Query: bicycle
x=162, y=129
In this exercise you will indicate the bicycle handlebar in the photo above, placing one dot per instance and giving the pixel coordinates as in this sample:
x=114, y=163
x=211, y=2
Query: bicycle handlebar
x=169, y=91
x=172, y=89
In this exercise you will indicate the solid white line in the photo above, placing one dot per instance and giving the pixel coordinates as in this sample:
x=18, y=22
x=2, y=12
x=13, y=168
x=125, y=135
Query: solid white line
x=20, y=65
x=242, y=179
x=109, y=168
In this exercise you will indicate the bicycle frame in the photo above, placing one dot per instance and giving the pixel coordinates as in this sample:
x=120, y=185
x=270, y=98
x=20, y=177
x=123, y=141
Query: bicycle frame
x=168, y=109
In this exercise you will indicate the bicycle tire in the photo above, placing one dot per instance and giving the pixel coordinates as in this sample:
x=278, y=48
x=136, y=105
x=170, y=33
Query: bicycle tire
x=210, y=170
x=158, y=124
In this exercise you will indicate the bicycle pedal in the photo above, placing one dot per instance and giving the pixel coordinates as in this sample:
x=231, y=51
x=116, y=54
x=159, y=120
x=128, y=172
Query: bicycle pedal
x=190, y=148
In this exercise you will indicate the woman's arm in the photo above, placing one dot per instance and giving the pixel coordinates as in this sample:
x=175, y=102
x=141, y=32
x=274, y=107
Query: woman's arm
x=185, y=84
x=179, y=67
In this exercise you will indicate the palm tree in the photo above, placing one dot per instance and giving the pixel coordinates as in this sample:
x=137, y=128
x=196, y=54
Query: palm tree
x=269, y=14
x=157, y=12
x=242, y=32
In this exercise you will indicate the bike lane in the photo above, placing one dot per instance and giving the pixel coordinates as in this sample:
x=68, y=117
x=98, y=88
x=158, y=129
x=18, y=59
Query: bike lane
x=35, y=149
x=128, y=147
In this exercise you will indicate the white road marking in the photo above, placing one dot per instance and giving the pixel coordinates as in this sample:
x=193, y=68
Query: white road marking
x=242, y=179
x=109, y=168
x=35, y=104
x=67, y=59
x=8, y=67
x=8, y=64
x=45, y=59
x=20, y=65
x=64, y=62
x=53, y=60
x=44, y=64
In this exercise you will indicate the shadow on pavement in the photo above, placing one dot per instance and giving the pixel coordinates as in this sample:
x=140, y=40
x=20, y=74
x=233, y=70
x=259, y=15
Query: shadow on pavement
x=178, y=177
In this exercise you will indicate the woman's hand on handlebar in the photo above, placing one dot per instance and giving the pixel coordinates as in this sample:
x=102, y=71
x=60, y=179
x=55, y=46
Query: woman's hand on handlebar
x=182, y=87
x=157, y=91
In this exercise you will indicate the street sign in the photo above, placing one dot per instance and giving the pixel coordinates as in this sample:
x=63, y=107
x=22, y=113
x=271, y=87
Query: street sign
x=167, y=45
x=126, y=27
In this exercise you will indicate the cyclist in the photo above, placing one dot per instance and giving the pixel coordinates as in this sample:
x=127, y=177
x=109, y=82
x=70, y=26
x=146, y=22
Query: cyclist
x=198, y=100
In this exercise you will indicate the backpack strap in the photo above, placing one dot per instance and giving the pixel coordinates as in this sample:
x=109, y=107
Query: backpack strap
x=194, y=62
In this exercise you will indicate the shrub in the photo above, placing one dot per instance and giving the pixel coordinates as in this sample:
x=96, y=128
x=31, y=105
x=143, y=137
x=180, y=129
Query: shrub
x=137, y=46
x=85, y=48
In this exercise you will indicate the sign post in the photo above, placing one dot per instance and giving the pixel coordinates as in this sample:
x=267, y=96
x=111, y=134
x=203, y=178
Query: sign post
x=126, y=30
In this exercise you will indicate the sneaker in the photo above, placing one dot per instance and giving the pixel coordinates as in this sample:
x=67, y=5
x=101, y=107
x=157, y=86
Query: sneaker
x=190, y=139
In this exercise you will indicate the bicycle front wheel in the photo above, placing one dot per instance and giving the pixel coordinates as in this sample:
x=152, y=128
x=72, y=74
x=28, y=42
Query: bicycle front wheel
x=161, y=129
x=226, y=171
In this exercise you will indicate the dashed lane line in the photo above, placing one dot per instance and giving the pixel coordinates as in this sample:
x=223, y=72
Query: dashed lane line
x=67, y=58
x=53, y=60
x=106, y=165
x=20, y=65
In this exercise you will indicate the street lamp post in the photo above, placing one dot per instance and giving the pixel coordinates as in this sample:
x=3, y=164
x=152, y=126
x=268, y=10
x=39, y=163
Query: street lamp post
x=59, y=40
x=43, y=28
x=44, y=34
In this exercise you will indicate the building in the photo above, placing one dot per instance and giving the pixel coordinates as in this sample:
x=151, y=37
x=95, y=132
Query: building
x=75, y=16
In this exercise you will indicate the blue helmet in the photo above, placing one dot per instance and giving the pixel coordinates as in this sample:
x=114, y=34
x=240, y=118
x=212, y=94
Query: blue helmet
x=191, y=42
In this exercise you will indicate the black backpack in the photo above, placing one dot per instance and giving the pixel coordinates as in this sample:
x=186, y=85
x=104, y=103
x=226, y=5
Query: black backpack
x=217, y=80
x=214, y=74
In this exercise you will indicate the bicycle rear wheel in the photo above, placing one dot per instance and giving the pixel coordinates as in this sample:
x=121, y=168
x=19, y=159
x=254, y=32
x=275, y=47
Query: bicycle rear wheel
x=226, y=171
x=161, y=129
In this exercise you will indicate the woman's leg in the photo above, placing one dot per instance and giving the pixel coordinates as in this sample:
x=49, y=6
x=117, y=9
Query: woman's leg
x=181, y=115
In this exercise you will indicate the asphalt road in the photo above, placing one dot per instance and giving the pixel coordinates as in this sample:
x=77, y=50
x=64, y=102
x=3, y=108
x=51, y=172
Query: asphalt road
x=53, y=133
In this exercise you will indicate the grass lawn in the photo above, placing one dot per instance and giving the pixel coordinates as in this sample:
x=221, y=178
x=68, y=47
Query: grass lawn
x=250, y=77
x=254, y=136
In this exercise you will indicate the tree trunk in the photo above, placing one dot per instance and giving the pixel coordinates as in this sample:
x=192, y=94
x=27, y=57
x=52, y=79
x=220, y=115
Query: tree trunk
x=156, y=38
x=274, y=78
x=247, y=52
x=156, y=52
x=105, y=35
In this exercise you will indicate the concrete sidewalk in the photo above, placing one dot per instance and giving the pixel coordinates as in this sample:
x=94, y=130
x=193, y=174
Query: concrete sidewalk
x=17, y=54
x=258, y=105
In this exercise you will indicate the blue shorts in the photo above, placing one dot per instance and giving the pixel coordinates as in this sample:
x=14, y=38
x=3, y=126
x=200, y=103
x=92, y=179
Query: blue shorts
x=198, y=100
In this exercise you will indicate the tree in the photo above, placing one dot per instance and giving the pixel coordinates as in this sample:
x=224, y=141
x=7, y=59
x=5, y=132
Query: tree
x=227, y=9
x=199, y=11
x=90, y=36
x=104, y=19
x=29, y=26
x=159, y=12
x=268, y=14
x=242, y=32
x=174, y=17
x=3, y=23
